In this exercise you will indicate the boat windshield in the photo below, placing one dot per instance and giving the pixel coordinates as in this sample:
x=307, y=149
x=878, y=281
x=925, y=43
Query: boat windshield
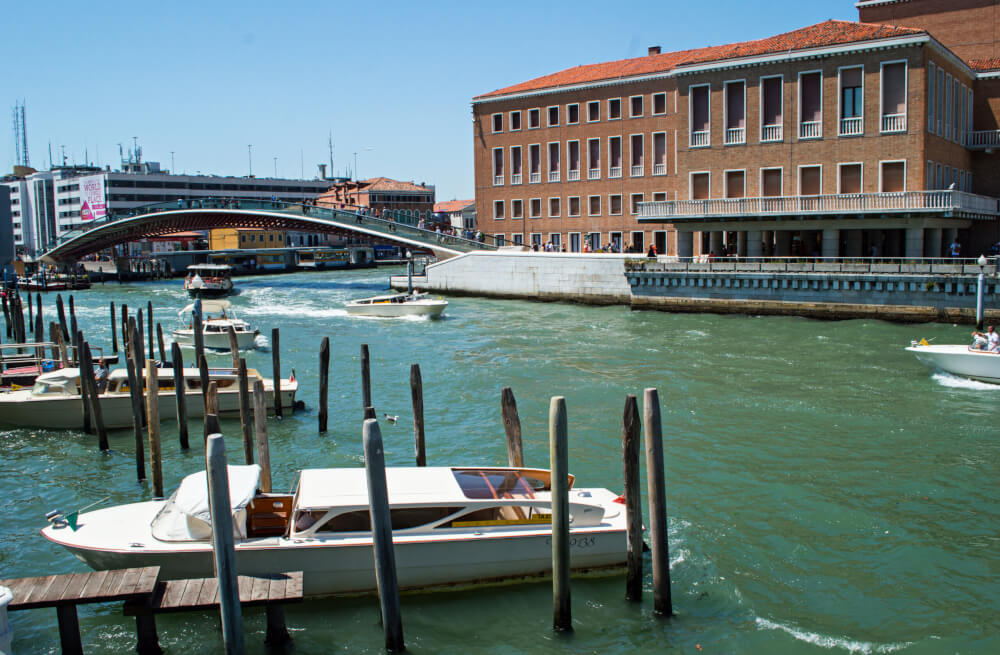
x=497, y=483
x=49, y=387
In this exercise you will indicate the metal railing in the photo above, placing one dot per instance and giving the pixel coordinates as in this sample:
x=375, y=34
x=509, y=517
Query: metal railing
x=553, y=176
x=659, y=169
x=815, y=264
x=937, y=201
x=851, y=126
x=699, y=139
x=535, y=178
x=735, y=136
x=594, y=174
x=810, y=130
x=392, y=223
x=982, y=139
x=893, y=123
x=615, y=171
x=637, y=171
x=769, y=133
x=498, y=180
x=573, y=175
x=515, y=178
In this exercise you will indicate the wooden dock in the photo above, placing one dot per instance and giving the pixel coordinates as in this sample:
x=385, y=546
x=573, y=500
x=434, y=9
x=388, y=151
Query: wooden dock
x=65, y=592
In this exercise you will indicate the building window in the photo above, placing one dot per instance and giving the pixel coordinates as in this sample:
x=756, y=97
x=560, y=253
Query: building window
x=940, y=100
x=515, y=164
x=573, y=114
x=771, y=101
x=931, y=97
x=893, y=97
x=535, y=208
x=700, y=186
x=700, y=115
x=516, y=209
x=892, y=176
x=515, y=121
x=849, y=178
x=594, y=205
x=593, y=159
x=534, y=119
x=736, y=113
x=615, y=204
x=498, y=210
x=929, y=181
x=614, y=156
x=947, y=106
x=517, y=238
x=594, y=239
x=614, y=109
x=659, y=104
x=574, y=205
x=535, y=163
x=536, y=241
x=554, y=161
x=555, y=206
x=659, y=153
x=635, y=199
x=554, y=116
x=660, y=196
x=637, y=155
x=556, y=240
x=736, y=184
x=593, y=111
x=635, y=107
x=811, y=105
x=497, y=166
x=497, y=123
x=851, y=101
x=574, y=242
x=499, y=239
x=810, y=180
x=638, y=242
x=573, y=160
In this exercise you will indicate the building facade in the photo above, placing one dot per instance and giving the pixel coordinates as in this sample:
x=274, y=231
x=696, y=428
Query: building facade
x=837, y=139
x=460, y=215
x=381, y=194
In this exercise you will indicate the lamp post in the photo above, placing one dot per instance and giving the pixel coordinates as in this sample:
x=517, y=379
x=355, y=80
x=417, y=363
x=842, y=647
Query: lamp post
x=250, y=158
x=979, y=292
x=276, y=167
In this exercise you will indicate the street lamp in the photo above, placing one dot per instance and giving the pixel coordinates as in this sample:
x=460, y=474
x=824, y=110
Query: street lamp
x=979, y=292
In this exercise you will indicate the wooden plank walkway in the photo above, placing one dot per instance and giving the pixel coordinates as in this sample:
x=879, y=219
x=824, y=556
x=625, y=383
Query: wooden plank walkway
x=65, y=592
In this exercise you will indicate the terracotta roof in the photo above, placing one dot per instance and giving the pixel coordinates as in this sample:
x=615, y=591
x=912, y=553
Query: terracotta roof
x=449, y=206
x=827, y=33
x=982, y=65
x=387, y=184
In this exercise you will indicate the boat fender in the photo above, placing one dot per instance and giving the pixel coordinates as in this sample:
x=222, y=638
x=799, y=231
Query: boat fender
x=48, y=365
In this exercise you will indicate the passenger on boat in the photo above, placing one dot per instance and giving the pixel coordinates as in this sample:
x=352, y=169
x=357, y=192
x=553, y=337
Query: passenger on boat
x=979, y=341
x=992, y=340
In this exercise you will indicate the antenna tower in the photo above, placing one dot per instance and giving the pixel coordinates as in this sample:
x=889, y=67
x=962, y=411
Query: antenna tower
x=20, y=136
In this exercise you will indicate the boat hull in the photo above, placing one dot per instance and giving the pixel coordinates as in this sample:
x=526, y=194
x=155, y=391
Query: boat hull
x=960, y=360
x=216, y=340
x=20, y=409
x=431, y=308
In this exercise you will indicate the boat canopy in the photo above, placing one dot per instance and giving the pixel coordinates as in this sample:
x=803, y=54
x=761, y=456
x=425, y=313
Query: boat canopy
x=208, y=307
x=186, y=515
x=215, y=268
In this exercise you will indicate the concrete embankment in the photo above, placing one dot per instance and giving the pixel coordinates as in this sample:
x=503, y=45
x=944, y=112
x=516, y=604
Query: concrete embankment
x=829, y=290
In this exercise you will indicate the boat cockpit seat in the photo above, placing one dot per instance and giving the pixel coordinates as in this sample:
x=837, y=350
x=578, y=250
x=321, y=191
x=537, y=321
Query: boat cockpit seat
x=268, y=515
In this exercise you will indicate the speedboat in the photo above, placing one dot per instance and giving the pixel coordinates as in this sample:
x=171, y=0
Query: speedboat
x=452, y=527
x=397, y=304
x=22, y=363
x=217, y=317
x=964, y=361
x=208, y=280
x=55, y=402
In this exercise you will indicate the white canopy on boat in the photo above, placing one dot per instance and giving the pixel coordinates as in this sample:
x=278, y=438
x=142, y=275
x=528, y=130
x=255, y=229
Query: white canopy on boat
x=326, y=488
x=208, y=307
x=216, y=268
x=186, y=516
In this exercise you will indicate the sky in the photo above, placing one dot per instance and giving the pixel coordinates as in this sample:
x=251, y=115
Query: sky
x=392, y=81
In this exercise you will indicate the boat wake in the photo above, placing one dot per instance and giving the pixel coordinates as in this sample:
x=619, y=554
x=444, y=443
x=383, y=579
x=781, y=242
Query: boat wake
x=261, y=342
x=957, y=382
x=826, y=641
x=297, y=311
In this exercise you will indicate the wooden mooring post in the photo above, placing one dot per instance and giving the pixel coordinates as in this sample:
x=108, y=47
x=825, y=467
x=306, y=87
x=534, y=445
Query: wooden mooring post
x=385, y=557
x=140, y=365
x=212, y=410
x=93, y=395
x=161, y=343
x=140, y=342
x=39, y=324
x=511, y=427
x=179, y=394
x=114, y=330
x=260, y=435
x=562, y=616
x=276, y=369
x=366, y=378
x=153, y=414
x=149, y=331
x=84, y=386
x=234, y=346
x=324, y=381
x=6, y=317
x=125, y=331
x=135, y=395
x=61, y=345
x=203, y=376
x=199, y=336
x=633, y=502
x=246, y=418
x=223, y=548
x=417, y=396
x=662, y=603
x=72, y=317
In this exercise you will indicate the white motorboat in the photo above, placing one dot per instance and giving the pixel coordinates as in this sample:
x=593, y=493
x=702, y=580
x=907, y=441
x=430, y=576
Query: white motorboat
x=209, y=280
x=959, y=360
x=452, y=527
x=54, y=401
x=397, y=304
x=217, y=317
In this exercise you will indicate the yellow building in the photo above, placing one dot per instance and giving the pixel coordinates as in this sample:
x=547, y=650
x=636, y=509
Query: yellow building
x=245, y=237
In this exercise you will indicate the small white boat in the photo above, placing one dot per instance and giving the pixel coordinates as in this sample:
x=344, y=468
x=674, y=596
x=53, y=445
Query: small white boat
x=959, y=360
x=209, y=280
x=397, y=304
x=54, y=401
x=452, y=527
x=217, y=317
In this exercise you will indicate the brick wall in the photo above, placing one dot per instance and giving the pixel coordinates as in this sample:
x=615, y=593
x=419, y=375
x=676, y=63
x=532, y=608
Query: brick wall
x=969, y=28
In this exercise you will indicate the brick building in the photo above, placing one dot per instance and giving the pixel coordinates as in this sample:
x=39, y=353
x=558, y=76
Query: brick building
x=381, y=194
x=839, y=138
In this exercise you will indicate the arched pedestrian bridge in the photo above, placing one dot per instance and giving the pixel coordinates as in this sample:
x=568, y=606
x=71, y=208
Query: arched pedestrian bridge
x=203, y=214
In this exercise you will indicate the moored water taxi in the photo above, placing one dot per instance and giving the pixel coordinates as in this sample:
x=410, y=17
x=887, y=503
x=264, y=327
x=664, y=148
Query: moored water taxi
x=452, y=526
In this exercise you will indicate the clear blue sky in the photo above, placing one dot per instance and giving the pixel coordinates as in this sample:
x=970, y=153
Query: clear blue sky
x=391, y=80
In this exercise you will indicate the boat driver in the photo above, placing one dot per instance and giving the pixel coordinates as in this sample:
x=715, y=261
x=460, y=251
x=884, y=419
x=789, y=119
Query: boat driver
x=992, y=340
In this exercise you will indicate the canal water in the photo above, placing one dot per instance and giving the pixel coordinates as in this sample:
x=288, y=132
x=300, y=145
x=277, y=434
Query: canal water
x=826, y=492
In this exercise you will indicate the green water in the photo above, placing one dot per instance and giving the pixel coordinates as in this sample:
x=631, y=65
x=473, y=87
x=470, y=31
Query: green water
x=826, y=492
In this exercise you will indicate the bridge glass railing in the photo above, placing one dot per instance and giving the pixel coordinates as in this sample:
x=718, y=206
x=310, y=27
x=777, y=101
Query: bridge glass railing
x=391, y=223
